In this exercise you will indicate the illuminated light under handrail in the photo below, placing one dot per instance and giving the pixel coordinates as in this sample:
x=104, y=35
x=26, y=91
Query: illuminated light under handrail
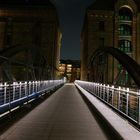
x=17, y=93
x=121, y=99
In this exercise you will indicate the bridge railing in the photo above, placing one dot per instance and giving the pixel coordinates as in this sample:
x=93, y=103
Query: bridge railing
x=122, y=99
x=17, y=93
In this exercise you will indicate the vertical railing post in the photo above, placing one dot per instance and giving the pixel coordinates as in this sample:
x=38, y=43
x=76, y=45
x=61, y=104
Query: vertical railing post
x=19, y=89
x=25, y=86
x=127, y=101
x=119, y=98
x=13, y=90
x=108, y=89
x=36, y=86
x=2, y=95
x=5, y=96
x=104, y=92
x=9, y=86
x=33, y=86
x=112, y=95
x=29, y=90
x=88, y=86
x=100, y=90
x=138, y=107
x=97, y=89
x=93, y=87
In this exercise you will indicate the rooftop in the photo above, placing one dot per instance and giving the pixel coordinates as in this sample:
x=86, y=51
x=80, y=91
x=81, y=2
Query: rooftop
x=25, y=2
x=99, y=5
x=107, y=4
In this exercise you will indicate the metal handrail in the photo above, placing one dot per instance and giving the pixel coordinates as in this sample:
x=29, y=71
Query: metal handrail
x=15, y=94
x=121, y=99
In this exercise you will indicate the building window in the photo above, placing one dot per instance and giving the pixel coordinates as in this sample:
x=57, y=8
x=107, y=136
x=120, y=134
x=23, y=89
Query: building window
x=125, y=46
x=125, y=30
x=125, y=14
x=101, y=42
x=9, y=32
x=102, y=59
x=37, y=33
x=101, y=26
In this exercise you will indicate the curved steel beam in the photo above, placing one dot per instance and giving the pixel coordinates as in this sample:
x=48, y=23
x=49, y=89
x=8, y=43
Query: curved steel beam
x=127, y=62
x=11, y=51
x=7, y=53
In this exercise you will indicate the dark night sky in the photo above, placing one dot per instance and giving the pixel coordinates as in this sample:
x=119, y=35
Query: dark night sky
x=71, y=15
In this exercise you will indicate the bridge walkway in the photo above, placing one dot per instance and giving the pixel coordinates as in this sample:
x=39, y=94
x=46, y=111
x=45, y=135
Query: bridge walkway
x=62, y=116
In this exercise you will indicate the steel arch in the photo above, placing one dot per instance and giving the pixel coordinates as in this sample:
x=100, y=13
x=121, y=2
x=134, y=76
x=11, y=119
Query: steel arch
x=7, y=53
x=127, y=62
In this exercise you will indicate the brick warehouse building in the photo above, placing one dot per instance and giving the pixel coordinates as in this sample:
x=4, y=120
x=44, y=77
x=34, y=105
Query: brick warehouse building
x=70, y=69
x=113, y=23
x=31, y=22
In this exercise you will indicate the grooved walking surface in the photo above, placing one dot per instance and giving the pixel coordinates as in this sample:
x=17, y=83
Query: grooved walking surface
x=63, y=116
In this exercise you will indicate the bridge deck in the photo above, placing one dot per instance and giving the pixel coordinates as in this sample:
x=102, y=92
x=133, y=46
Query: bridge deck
x=63, y=116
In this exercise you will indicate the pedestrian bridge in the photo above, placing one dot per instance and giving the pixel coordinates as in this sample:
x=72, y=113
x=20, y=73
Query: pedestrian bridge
x=70, y=113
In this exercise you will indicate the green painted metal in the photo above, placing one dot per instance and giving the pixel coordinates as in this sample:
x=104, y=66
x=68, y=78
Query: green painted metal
x=127, y=62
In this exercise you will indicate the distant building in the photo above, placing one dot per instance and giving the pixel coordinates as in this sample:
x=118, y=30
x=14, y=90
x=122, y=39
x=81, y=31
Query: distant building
x=31, y=22
x=69, y=69
x=112, y=23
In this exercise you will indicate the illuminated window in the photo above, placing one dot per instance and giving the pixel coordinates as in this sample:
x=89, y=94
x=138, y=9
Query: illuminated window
x=69, y=65
x=125, y=29
x=125, y=14
x=125, y=46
